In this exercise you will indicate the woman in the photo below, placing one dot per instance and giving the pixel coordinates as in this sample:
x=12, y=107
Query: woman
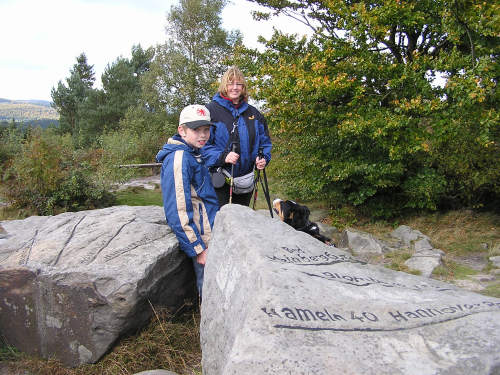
x=239, y=139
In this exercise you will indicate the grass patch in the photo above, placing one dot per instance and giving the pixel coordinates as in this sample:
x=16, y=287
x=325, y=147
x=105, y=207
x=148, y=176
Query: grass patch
x=139, y=197
x=451, y=270
x=459, y=232
x=396, y=261
x=8, y=353
x=492, y=290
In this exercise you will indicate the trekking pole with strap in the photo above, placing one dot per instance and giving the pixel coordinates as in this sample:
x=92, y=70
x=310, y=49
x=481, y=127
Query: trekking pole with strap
x=233, y=148
x=263, y=183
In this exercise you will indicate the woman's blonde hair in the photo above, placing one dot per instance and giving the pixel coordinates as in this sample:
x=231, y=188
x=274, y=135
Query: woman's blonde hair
x=233, y=74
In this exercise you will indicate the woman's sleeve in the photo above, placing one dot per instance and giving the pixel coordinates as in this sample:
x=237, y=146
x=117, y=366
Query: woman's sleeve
x=264, y=138
x=213, y=155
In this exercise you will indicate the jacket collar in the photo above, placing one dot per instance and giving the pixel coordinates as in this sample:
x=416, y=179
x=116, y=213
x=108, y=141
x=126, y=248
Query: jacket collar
x=228, y=104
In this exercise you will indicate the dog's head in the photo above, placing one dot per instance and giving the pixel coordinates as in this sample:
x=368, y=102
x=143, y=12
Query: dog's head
x=292, y=213
x=297, y=216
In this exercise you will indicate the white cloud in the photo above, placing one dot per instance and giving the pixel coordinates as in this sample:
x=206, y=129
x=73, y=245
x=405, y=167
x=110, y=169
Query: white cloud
x=41, y=39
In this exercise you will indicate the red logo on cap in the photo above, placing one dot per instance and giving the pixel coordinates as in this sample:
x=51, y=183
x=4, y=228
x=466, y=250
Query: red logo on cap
x=201, y=112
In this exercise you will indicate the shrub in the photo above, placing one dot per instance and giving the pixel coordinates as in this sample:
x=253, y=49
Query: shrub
x=49, y=176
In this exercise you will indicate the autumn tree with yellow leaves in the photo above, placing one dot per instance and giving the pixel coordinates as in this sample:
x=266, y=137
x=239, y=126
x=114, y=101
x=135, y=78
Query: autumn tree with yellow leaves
x=391, y=105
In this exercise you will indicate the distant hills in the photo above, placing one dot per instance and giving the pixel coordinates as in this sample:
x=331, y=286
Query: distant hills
x=26, y=110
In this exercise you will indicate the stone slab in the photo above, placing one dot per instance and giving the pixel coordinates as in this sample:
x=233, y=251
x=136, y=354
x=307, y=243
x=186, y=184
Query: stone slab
x=277, y=301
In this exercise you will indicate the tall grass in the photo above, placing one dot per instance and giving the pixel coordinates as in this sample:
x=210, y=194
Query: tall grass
x=170, y=342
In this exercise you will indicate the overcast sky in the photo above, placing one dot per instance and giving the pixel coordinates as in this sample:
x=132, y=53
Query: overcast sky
x=41, y=39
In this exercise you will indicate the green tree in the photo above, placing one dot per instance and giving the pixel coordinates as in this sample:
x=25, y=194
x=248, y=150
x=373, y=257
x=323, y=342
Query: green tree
x=121, y=85
x=67, y=98
x=357, y=116
x=187, y=65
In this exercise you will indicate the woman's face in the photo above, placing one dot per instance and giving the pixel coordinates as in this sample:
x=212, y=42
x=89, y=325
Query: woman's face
x=234, y=90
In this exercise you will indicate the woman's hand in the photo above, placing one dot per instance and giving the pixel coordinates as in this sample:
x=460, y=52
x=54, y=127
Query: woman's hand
x=232, y=158
x=260, y=163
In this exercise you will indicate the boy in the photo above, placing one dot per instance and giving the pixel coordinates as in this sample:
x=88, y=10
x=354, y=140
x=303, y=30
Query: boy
x=189, y=198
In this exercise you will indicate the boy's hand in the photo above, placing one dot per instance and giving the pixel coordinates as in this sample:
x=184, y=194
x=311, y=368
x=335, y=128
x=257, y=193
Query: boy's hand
x=260, y=163
x=201, y=258
x=232, y=158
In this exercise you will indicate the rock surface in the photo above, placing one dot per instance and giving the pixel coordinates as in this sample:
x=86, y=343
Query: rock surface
x=361, y=243
x=277, y=301
x=71, y=284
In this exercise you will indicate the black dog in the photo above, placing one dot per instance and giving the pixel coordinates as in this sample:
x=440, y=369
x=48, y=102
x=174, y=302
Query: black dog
x=297, y=216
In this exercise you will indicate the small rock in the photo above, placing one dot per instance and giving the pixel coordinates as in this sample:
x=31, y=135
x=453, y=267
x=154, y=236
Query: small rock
x=483, y=278
x=407, y=235
x=496, y=261
x=360, y=242
x=422, y=244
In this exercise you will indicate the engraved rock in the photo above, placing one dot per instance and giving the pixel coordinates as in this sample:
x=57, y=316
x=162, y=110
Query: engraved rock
x=277, y=301
x=72, y=284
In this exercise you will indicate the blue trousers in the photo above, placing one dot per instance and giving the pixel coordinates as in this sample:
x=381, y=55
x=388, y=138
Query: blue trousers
x=199, y=270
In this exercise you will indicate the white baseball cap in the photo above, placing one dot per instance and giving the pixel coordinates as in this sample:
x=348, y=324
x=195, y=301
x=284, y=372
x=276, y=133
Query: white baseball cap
x=194, y=116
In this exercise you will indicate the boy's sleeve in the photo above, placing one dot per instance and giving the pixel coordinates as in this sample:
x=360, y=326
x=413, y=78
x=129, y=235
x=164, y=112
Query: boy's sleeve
x=176, y=189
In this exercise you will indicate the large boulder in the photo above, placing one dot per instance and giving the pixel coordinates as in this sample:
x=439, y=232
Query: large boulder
x=72, y=284
x=277, y=301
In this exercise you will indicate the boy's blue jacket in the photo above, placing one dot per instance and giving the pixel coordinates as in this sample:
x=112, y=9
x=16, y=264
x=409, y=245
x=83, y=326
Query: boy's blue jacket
x=218, y=146
x=189, y=198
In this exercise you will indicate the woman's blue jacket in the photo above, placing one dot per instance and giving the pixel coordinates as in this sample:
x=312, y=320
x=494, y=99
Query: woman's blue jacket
x=251, y=127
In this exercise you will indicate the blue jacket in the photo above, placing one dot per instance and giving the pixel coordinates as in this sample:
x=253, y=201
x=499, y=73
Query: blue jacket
x=189, y=199
x=252, y=130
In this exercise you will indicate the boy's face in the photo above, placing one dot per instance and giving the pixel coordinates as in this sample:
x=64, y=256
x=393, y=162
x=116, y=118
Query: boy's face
x=195, y=137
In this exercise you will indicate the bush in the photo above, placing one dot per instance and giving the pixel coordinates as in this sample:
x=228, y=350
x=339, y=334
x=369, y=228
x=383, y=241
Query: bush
x=49, y=176
x=126, y=147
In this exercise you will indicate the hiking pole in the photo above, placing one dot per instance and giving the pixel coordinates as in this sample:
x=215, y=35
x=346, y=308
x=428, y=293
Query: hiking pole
x=265, y=186
x=256, y=187
x=266, y=192
x=233, y=148
x=260, y=155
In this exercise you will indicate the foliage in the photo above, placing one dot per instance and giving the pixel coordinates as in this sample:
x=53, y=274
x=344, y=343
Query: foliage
x=11, y=138
x=67, y=98
x=54, y=177
x=87, y=112
x=358, y=118
x=187, y=65
x=125, y=147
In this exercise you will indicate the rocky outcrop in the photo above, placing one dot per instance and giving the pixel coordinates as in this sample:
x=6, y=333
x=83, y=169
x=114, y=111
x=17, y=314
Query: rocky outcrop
x=72, y=284
x=277, y=301
x=362, y=243
x=424, y=257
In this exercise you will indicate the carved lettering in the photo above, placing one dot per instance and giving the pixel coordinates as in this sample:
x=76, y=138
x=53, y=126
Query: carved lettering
x=398, y=316
x=289, y=313
x=272, y=312
x=304, y=314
